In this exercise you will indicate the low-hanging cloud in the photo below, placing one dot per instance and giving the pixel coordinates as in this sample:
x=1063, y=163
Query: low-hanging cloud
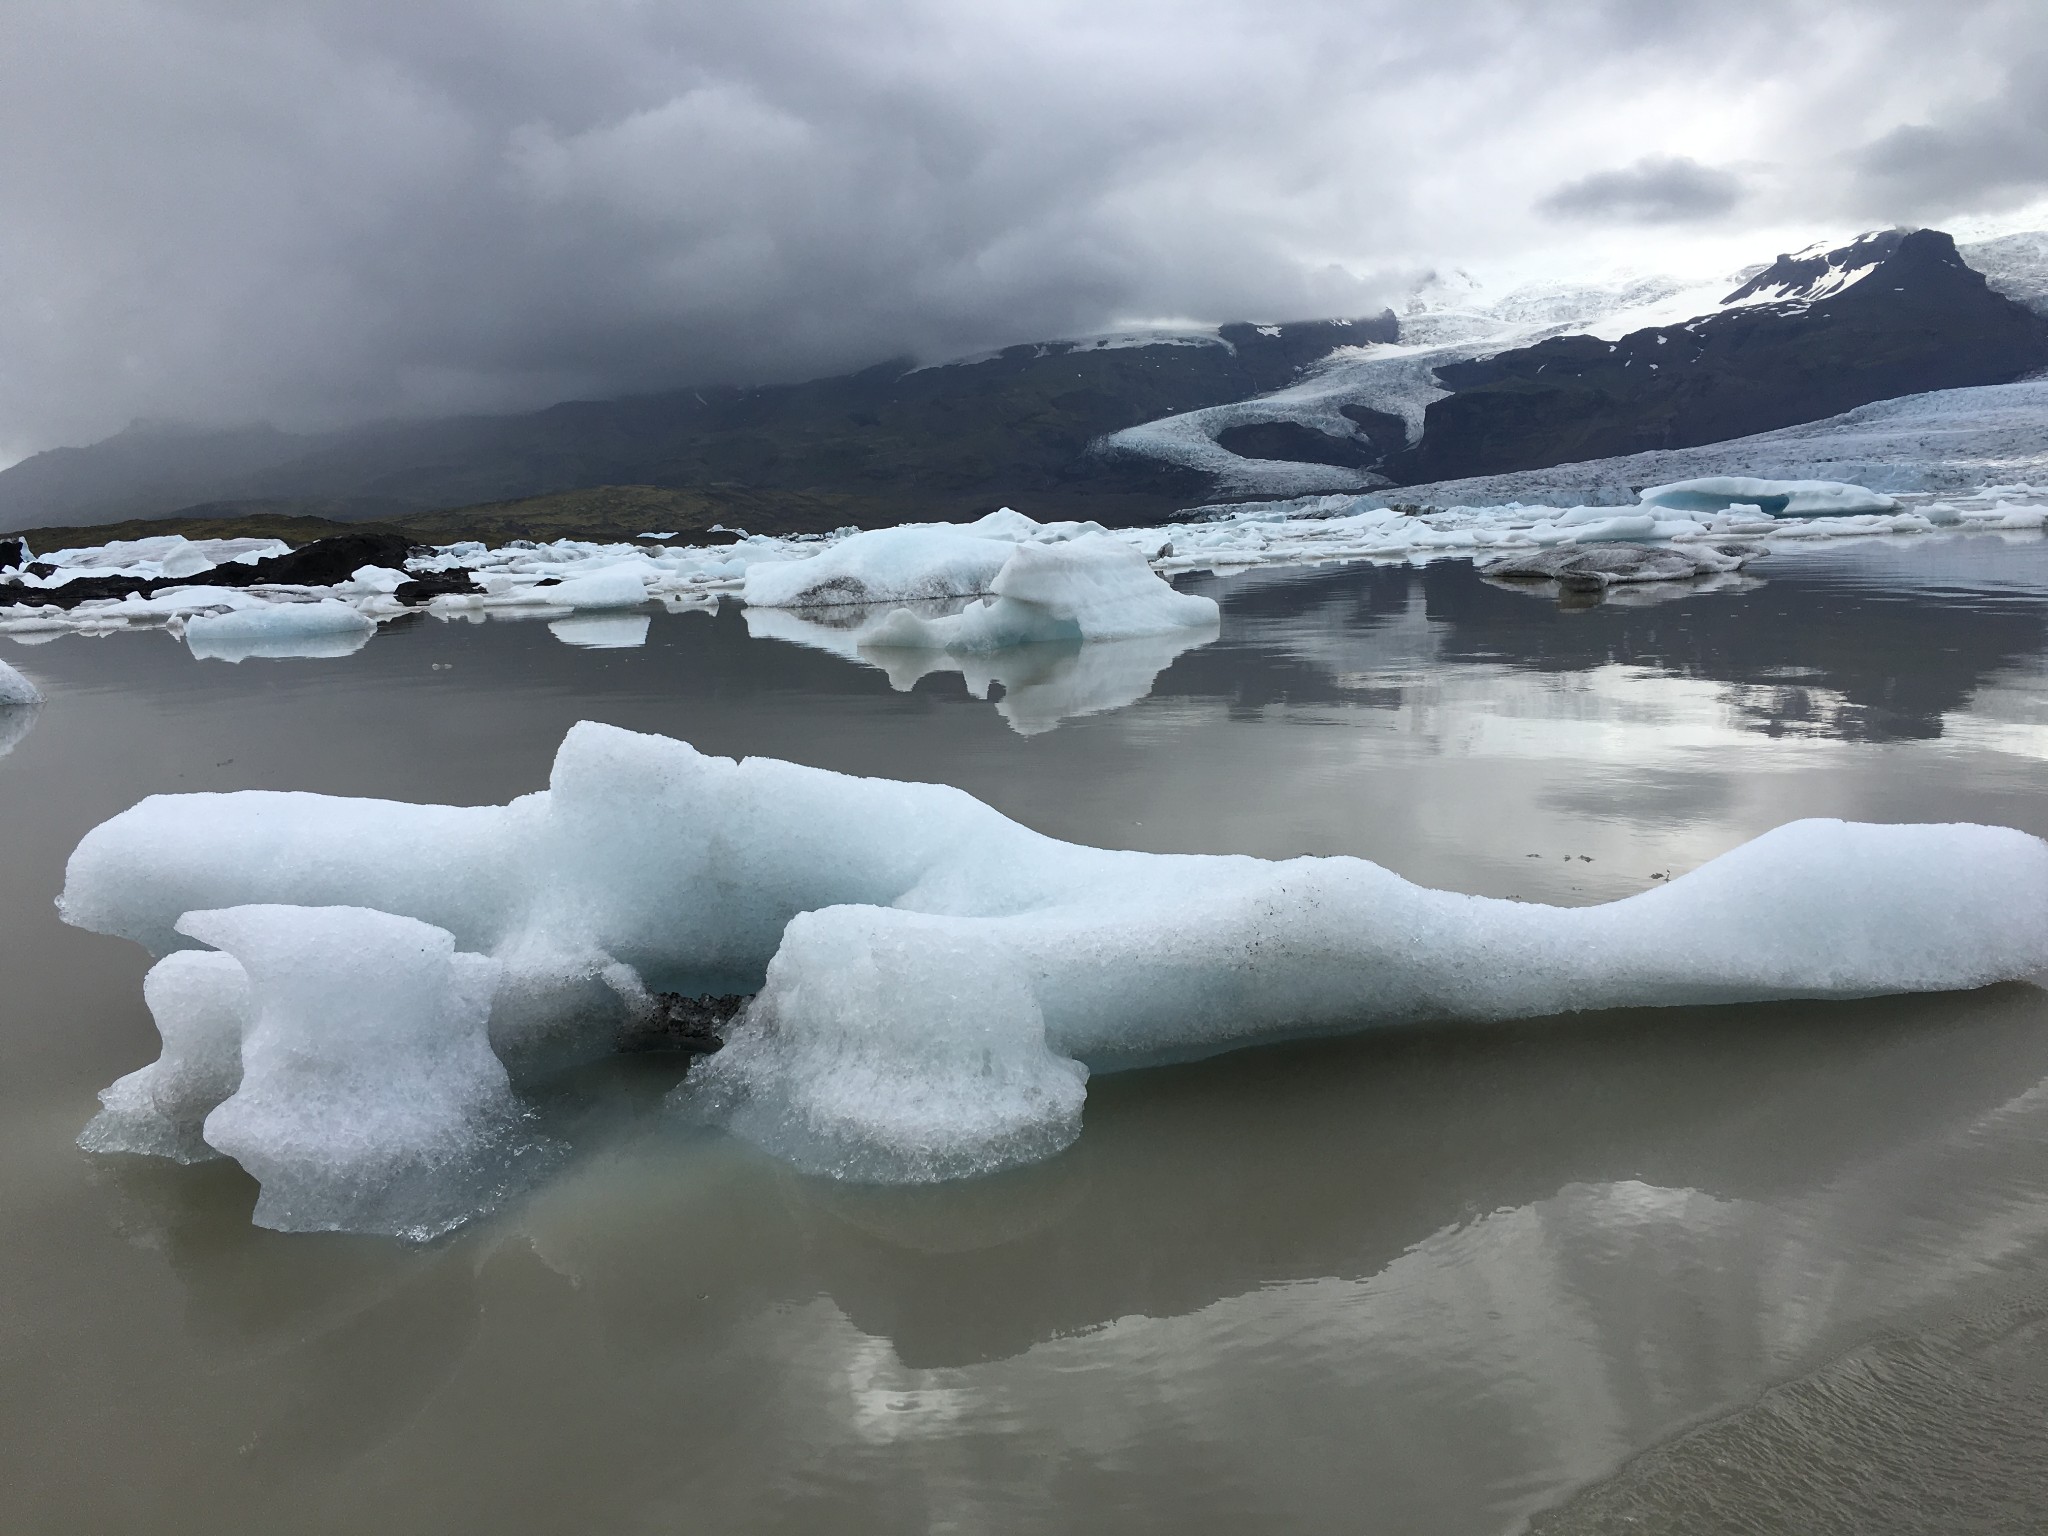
x=1660, y=189
x=317, y=211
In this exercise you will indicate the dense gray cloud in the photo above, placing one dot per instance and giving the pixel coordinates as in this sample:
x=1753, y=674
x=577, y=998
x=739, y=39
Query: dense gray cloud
x=1987, y=149
x=1665, y=189
x=321, y=210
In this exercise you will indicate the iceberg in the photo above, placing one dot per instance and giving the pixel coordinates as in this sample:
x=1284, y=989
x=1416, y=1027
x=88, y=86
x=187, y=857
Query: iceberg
x=1092, y=588
x=909, y=564
x=1775, y=498
x=933, y=979
x=279, y=630
x=615, y=586
x=15, y=689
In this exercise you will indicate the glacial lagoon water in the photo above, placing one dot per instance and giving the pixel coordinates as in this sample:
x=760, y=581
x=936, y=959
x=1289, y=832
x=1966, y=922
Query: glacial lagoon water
x=1679, y=1270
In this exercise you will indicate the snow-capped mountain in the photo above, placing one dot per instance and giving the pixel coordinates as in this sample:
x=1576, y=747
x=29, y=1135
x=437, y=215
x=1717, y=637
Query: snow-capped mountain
x=1930, y=322
x=1129, y=427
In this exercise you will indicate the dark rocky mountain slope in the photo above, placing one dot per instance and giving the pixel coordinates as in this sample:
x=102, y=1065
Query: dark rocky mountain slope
x=1892, y=314
x=881, y=446
x=1807, y=337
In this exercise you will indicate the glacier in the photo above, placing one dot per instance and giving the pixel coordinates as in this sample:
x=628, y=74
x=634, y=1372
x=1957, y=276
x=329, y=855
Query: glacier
x=933, y=981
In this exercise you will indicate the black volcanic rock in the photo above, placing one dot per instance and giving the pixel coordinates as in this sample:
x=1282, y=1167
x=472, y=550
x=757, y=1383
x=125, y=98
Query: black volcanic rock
x=1387, y=432
x=322, y=563
x=1812, y=275
x=1805, y=346
x=1296, y=443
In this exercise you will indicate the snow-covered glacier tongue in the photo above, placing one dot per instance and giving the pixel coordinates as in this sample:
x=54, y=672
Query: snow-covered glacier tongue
x=933, y=980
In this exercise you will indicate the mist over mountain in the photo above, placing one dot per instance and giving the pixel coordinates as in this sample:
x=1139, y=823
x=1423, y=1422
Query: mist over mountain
x=1129, y=428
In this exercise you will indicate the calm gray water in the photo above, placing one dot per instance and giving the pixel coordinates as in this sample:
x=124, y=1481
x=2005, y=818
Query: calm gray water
x=1748, y=1269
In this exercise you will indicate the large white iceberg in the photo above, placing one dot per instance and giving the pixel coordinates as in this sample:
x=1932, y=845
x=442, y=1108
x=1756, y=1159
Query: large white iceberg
x=864, y=910
x=1775, y=498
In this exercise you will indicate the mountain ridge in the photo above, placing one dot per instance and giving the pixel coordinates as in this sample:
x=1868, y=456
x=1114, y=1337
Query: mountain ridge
x=1129, y=428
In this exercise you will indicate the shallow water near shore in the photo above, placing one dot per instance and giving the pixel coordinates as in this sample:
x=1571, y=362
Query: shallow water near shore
x=1613, y=1272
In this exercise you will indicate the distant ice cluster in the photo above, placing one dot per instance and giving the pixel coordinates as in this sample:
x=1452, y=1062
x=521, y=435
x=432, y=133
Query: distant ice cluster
x=932, y=983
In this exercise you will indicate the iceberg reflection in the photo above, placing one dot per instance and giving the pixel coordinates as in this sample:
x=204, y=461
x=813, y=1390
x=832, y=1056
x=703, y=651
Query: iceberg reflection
x=1042, y=685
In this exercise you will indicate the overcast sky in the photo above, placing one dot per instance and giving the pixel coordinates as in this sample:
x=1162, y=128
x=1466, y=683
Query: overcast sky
x=317, y=211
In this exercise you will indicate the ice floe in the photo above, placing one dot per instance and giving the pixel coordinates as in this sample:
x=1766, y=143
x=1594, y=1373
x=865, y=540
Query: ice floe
x=934, y=979
x=326, y=627
x=1777, y=498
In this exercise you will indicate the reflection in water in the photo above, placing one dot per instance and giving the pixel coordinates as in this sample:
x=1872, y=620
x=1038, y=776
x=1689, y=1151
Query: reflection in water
x=319, y=645
x=602, y=631
x=1043, y=685
x=1428, y=1281
x=16, y=721
x=1647, y=594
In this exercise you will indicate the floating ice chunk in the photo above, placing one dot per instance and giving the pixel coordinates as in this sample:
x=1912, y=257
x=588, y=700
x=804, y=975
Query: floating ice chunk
x=200, y=1001
x=277, y=630
x=648, y=864
x=170, y=602
x=907, y=564
x=1092, y=588
x=369, y=1099
x=893, y=1048
x=603, y=631
x=16, y=689
x=1777, y=498
x=615, y=586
